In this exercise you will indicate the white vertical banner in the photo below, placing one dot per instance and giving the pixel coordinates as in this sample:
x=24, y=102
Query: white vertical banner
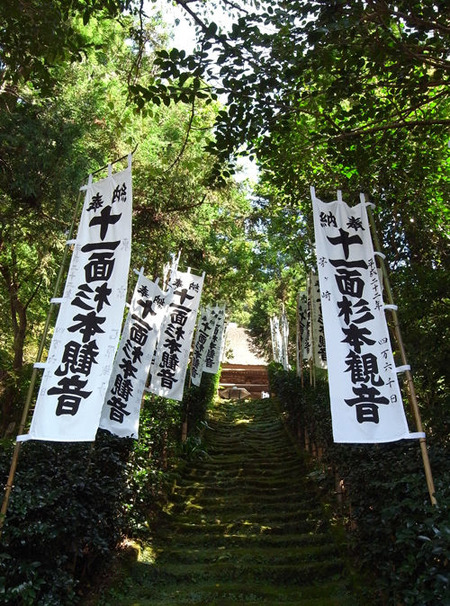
x=284, y=334
x=318, y=334
x=205, y=329
x=91, y=310
x=177, y=330
x=170, y=268
x=122, y=404
x=366, y=403
x=216, y=345
x=304, y=325
x=308, y=343
x=276, y=339
x=273, y=339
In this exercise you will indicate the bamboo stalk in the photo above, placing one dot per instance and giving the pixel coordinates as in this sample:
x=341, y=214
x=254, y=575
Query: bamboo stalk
x=408, y=376
x=300, y=369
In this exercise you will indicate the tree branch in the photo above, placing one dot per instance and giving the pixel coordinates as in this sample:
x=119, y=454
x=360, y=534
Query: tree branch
x=198, y=21
x=186, y=207
x=186, y=139
x=359, y=132
x=417, y=21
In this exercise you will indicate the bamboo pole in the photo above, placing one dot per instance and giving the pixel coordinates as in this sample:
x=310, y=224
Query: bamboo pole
x=300, y=368
x=27, y=405
x=312, y=369
x=408, y=376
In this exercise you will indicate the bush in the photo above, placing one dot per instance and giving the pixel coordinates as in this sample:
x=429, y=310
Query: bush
x=396, y=535
x=71, y=506
x=63, y=519
x=73, y=503
x=197, y=400
x=150, y=462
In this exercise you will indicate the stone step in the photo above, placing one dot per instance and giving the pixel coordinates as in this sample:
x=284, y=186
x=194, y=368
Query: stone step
x=297, y=574
x=245, y=555
x=256, y=541
x=225, y=516
x=226, y=593
x=244, y=524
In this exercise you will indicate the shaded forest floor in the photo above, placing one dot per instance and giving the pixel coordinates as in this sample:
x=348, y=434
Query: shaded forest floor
x=244, y=526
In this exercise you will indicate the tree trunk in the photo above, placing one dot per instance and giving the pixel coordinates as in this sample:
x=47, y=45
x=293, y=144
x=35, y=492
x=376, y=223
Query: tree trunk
x=10, y=378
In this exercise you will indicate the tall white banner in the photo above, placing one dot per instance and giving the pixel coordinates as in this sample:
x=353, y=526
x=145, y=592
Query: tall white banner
x=366, y=403
x=284, y=334
x=304, y=321
x=205, y=329
x=88, y=326
x=122, y=405
x=276, y=339
x=215, y=349
x=172, y=355
x=316, y=324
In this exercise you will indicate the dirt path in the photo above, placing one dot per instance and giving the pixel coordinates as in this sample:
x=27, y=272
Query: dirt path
x=245, y=526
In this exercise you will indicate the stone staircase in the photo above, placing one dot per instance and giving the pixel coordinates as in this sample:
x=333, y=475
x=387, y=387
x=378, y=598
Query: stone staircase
x=251, y=377
x=244, y=526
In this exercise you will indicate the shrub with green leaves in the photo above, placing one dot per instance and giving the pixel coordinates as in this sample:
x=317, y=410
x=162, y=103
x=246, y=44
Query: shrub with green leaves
x=197, y=400
x=396, y=535
x=72, y=504
x=64, y=518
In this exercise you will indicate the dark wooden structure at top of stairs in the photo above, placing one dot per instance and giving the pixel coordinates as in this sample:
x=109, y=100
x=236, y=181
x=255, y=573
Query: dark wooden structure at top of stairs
x=251, y=377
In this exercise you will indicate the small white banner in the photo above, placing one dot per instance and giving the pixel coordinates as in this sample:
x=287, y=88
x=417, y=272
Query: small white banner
x=203, y=336
x=88, y=326
x=317, y=331
x=215, y=350
x=276, y=340
x=284, y=333
x=122, y=405
x=366, y=403
x=170, y=269
x=172, y=355
x=304, y=321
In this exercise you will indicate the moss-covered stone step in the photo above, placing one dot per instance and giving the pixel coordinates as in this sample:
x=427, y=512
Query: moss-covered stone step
x=246, y=554
x=247, y=470
x=298, y=574
x=262, y=517
x=244, y=525
x=225, y=516
x=237, y=503
x=210, y=531
x=257, y=541
x=229, y=594
x=202, y=498
x=244, y=484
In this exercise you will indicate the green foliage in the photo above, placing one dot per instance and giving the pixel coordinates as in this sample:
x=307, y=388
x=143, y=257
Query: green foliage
x=64, y=519
x=406, y=540
x=72, y=504
x=197, y=400
x=37, y=36
x=425, y=306
x=397, y=536
x=353, y=68
x=307, y=409
x=150, y=463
